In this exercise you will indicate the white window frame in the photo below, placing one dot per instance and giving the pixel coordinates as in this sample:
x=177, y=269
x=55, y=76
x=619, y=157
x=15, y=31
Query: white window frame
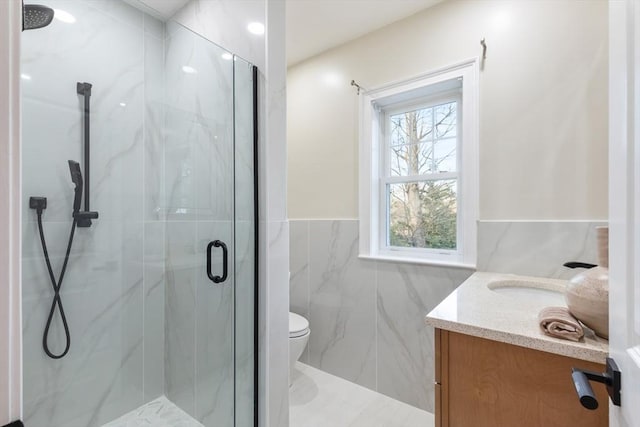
x=375, y=105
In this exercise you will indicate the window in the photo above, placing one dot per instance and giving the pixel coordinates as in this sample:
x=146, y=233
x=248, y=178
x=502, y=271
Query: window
x=418, y=171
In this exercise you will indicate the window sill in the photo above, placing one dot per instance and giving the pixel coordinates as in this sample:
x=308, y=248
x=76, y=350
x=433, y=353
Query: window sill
x=419, y=261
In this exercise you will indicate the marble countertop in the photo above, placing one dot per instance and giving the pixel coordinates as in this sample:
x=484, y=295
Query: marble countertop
x=475, y=309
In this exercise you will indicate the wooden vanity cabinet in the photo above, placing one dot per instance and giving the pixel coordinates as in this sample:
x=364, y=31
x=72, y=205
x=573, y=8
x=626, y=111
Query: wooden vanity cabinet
x=485, y=383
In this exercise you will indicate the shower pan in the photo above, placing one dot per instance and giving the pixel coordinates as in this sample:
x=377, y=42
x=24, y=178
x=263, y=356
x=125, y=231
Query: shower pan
x=155, y=320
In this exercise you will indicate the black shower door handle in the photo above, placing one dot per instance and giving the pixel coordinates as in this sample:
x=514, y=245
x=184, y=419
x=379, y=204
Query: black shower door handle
x=225, y=261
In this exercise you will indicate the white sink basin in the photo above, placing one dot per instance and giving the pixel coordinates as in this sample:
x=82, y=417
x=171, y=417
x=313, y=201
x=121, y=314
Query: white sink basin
x=538, y=293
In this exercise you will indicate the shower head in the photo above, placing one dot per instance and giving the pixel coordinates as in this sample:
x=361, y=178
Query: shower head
x=36, y=16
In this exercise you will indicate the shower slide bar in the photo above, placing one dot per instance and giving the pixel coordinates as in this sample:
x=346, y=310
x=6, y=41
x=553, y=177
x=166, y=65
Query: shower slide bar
x=84, y=217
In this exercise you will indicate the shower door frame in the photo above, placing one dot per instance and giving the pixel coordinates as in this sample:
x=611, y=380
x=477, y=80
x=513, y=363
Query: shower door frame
x=256, y=249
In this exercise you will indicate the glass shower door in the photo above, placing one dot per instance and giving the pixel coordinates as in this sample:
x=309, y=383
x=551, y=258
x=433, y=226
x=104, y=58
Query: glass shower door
x=210, y=231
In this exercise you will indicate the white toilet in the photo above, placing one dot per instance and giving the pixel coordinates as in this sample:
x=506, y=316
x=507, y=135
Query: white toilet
x=298, y=337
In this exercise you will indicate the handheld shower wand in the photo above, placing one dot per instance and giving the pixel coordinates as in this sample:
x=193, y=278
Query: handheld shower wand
x=76, y=177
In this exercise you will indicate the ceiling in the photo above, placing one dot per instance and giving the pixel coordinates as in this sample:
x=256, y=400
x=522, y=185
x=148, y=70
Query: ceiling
x=166, y=8
x=314, y=26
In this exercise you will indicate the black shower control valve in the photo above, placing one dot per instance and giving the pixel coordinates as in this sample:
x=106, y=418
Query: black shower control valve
x=611, y=379
x=39, y=203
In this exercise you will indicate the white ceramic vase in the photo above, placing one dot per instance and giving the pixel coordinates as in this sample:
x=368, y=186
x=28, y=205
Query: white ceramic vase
x=587, y=294
x=587, y=298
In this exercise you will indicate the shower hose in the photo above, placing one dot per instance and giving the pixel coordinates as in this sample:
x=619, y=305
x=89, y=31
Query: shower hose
x=57, y=301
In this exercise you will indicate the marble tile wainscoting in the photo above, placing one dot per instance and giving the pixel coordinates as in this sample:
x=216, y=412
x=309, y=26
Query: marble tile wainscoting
x=367, y=317
x=536, y=248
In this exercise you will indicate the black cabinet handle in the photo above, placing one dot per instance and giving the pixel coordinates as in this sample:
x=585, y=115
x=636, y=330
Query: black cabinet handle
x=225, y=261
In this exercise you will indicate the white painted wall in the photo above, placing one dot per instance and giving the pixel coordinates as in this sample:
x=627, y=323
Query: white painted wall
x=543, y=106
x=10, y=328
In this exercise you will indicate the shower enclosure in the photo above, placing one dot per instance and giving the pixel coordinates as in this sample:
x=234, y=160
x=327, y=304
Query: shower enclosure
x=159, y=292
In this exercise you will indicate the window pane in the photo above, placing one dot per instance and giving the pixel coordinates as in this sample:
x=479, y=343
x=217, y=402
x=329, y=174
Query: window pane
x=411, y=127
x=422, y=214
x=444, y=156
x=412, y=159
x=423, y=141
x=445, y=117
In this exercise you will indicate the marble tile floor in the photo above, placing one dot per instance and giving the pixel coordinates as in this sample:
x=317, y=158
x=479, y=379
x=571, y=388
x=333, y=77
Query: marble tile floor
x=160, y=412
x=321, y=399
x=316, y=399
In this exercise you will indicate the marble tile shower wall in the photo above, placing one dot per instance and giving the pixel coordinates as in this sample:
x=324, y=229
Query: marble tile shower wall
x=113, y=292
x=367, y=317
